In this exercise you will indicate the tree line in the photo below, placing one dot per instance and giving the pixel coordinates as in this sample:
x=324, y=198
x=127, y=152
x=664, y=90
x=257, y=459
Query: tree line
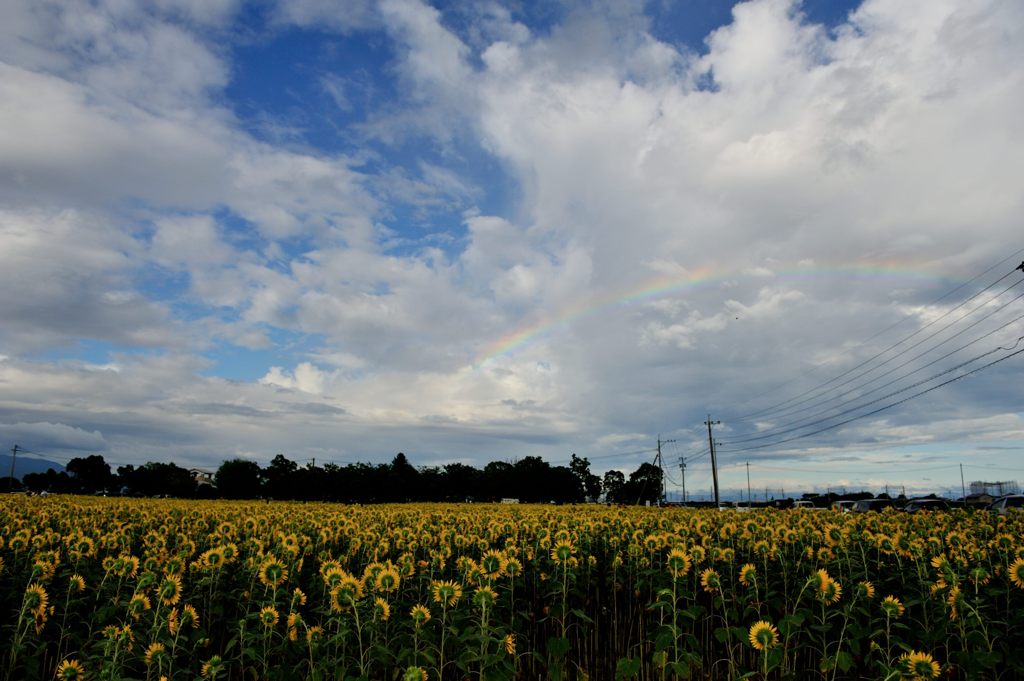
x=529, y=480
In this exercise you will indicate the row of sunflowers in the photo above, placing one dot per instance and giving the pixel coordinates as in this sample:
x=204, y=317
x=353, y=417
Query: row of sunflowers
x=106, y=589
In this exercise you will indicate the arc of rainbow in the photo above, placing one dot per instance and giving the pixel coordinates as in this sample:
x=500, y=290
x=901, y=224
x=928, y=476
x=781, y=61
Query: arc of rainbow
x=664, y=286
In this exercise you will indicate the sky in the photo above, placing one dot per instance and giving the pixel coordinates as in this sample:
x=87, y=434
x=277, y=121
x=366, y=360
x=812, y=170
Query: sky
x=478, y=231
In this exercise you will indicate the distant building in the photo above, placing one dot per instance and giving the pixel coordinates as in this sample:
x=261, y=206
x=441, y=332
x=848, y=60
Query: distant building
x=201, y=477
x=995, y=489
x=979, y=499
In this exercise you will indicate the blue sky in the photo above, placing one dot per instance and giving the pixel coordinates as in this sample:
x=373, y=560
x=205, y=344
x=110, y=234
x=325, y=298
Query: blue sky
x=478, y=231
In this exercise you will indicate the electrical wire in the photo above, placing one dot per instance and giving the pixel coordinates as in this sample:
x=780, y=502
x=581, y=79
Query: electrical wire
x=850, y=472
x=880, y=409
x=892, y=326
x=808, y=422
x=809, y=393
x=790, y=412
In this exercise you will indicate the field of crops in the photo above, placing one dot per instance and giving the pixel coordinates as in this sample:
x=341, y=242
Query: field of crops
x=148, y=589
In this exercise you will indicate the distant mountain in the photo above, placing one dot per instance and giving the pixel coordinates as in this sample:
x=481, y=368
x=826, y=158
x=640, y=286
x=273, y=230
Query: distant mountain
x=26, y=464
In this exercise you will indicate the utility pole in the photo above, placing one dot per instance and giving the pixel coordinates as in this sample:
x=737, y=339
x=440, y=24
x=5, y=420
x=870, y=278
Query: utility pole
x=682, y=473
x=714, y=460
x=749, y=502
x=963, y=487
x=14, y=456
x=661, y=464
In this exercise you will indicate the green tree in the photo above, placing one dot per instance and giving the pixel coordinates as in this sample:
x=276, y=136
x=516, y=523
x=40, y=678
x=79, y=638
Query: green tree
x=239, y=479
x=614, y=482
x=92, y=473
x=590, y=483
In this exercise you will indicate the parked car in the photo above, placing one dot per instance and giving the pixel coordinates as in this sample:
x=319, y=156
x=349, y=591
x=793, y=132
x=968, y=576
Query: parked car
x=930, y=504
x=865, y=505
x=843, y=505
x=1010, y=502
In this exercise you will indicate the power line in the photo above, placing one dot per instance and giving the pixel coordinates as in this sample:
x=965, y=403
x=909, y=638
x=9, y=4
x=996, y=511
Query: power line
x=884, y=408
x=850, y=472
x=790, y=412
x=812, y=421
x=922, y=367
x=789, y=401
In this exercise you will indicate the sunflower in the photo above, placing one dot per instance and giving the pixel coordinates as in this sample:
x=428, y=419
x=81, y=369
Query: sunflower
x=138, y=604
x=76, y=582
x=348, y=590
x=43, y=570
x=36, y=599
x=174, y=565
x=155, y=653
x=446, y=593
x=892, y=607
x=493, y=564
x=1017, y=573
x=333, y=574
x=484, y=597
x=953, y=601
x=272, y=572
x=381, y=609
x=229, y=551
x=677, y=562
x=121, y=635
x=172, y=622
x=748, y=573
x=763, y=635
x=979, y=576
x=510, y=644
x=388, y=579
x=293, y=621
x=212, y=667
x=562, y=551
x=212, y=559
x=414, y=674
x=866, y=590
x=298, y=597
x=127, y=566
x=420, y=615
x=70, y=670
x=189, y=616
x=269, y=617
x=513, y=567
x=831, y=592
x=313, y=634
x=710, y=580
x=170, y=590
x=918, y=666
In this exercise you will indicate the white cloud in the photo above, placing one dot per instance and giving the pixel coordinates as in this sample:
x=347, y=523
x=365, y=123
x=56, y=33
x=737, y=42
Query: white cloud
x=72, y=274
x=776, y=187
x=54, y=435
x=339, y=15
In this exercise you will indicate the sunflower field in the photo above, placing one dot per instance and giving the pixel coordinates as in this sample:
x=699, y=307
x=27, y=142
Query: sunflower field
x=106, y=589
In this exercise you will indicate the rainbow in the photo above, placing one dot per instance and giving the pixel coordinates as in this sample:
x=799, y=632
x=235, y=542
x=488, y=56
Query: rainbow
x=664, y=286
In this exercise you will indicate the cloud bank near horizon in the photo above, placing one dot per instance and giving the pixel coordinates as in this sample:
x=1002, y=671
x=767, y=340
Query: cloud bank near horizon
x=232, y=229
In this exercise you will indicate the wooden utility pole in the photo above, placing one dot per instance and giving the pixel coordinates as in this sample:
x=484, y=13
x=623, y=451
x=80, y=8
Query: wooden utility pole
x=714, y=460
x=14, y=456
x=661, y=465
x=682, y=473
